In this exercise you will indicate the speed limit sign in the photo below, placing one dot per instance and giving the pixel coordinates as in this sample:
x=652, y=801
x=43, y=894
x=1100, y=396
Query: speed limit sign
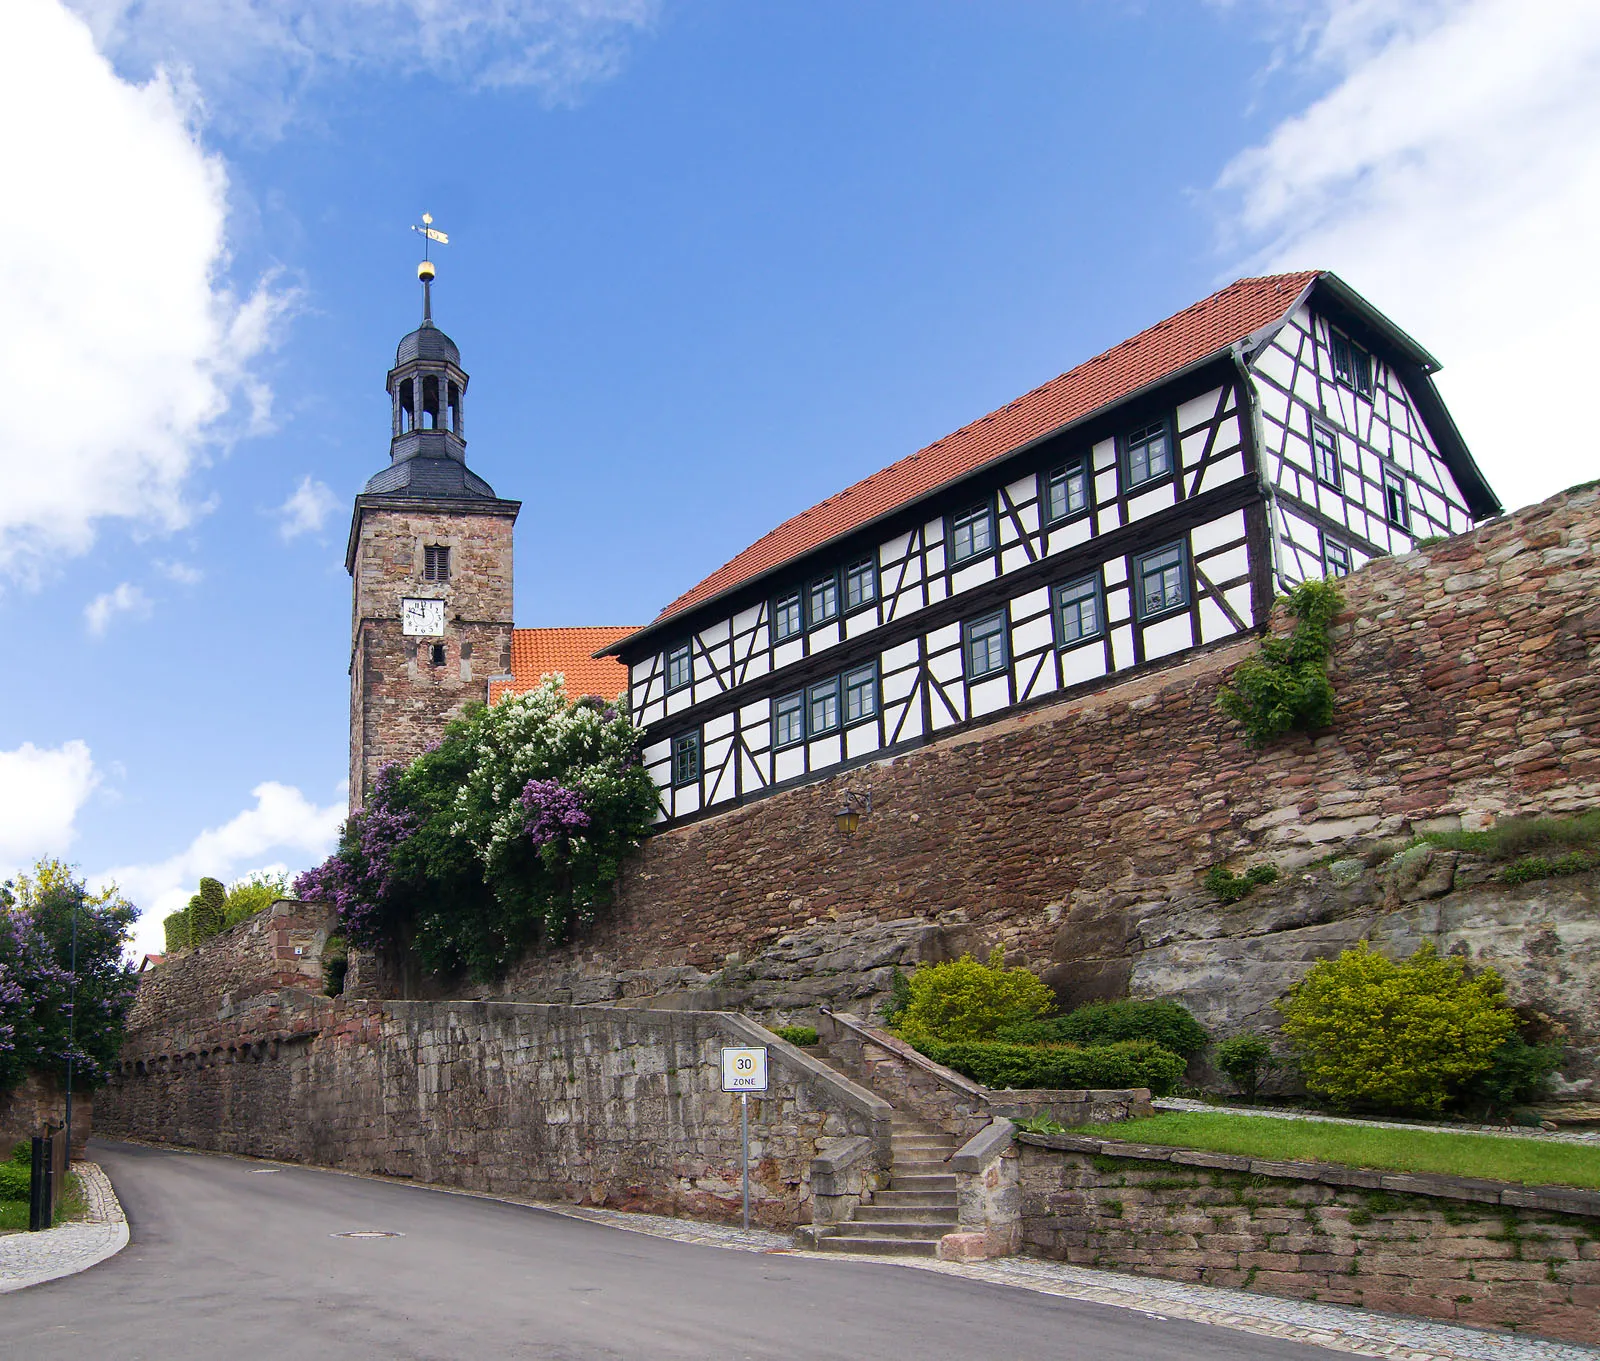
x=745, y=1070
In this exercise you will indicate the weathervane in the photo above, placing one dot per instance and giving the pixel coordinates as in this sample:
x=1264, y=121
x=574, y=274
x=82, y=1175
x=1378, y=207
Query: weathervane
x=425, y=271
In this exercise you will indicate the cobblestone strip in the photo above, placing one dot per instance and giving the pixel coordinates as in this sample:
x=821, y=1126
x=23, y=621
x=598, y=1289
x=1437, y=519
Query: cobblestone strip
x=1185, y=1103
x=33, y=1258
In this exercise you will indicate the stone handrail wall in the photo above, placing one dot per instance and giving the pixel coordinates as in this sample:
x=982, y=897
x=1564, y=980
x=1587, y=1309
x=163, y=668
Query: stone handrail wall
x=1489, y=1254
x=598, y=1105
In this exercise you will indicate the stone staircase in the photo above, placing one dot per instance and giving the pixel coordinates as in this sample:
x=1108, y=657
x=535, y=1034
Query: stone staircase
x=917, y=1210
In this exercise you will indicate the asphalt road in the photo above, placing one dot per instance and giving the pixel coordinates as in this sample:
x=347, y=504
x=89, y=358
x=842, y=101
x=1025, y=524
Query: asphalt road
x=230, y=1262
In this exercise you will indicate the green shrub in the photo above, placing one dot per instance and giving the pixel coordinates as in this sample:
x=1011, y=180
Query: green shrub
x=1285, y=686
x=335, y=965
x=1517, y=1074
x=1246, y=1059
x=1230, y=887
x=255, y=894
x=1520, y=836
x=966, y=1000
x=1168, y=1024
x=22, y=1153
x=1367, y=1031
x=15, y=1181
x=175, y=927
x=803, y=1035
x=898, y=1000
x=1130, y=1063
x=1543, y=867
x=206, y=910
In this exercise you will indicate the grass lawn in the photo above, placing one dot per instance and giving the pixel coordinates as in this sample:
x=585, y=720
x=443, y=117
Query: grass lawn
x=14, y=1213
x=1536, y=1162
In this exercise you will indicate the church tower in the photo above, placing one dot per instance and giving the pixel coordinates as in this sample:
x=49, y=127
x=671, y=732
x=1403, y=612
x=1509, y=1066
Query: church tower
x=429, y=558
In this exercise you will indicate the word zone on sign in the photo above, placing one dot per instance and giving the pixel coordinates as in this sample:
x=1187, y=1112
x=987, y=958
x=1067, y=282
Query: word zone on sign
x=745, y=1070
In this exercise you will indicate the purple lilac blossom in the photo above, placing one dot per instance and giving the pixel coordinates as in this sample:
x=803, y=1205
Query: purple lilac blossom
x=553, y=810
x=358, y=883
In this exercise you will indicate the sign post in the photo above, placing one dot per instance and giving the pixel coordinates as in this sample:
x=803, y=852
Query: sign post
x=744, y=1070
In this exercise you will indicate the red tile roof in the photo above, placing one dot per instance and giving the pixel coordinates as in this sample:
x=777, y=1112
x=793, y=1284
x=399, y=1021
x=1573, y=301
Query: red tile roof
x=536, y=653
x=1194, y=334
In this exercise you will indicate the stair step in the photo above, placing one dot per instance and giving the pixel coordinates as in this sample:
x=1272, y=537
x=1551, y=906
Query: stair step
x=941, y=1182
x=891, y=1228
x=877, y=1211
x=929, y=1142
x=880, y=1247
x=915, y=1200
x=919, y=1167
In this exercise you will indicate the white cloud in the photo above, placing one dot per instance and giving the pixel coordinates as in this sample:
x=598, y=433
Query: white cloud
x=41, y=791
x=125, y=599
x=283, y=823
x=184, y=573
x=307, y=508
x=253, y=57
x=124, y=349
x=1452, y=176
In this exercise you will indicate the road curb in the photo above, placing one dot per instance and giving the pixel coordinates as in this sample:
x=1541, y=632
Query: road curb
x=28, y=1259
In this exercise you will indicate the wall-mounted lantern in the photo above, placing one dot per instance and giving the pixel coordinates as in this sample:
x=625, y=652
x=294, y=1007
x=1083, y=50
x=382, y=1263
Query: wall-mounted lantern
x=851, y=807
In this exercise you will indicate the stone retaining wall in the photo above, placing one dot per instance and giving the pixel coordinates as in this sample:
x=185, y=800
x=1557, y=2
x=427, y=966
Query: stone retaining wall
x=596, y=1105
x=1482, y=1253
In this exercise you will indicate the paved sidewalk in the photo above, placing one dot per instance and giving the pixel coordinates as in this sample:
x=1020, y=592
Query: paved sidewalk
x=33, y=1258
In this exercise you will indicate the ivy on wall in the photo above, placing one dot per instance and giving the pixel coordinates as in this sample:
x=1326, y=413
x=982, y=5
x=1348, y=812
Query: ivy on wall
x=1285, y=686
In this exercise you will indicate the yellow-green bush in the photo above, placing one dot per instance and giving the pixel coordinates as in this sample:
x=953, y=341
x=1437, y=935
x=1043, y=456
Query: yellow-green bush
x=1366, y=1030
x=966, y=1000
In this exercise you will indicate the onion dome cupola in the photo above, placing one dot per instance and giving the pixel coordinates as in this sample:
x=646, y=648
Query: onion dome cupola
x=427, y=393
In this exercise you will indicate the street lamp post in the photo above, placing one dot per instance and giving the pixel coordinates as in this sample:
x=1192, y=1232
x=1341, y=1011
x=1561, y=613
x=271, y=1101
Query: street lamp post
x=72, y=1022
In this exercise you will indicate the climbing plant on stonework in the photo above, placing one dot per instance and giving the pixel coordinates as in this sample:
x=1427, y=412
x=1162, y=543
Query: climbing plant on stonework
x=1285, y=686
x=512, y=830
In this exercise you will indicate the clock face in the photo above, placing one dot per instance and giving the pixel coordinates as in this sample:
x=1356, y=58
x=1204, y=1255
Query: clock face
x=422, y=618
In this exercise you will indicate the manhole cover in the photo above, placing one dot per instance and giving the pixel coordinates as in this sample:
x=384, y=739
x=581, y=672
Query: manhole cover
x=366, y=1233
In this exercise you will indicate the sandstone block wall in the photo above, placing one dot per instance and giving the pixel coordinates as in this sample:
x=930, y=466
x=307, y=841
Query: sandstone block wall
x=1076, y=834
x=595, y=1105
x=1438, y=1256
x=38, y=1101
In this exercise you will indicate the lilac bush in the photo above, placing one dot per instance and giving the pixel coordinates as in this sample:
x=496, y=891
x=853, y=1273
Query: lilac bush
x=359, y=879
x=552, y=810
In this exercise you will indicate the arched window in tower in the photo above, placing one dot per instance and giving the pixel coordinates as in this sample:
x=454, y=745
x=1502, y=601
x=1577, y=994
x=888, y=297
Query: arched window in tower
x=436, y=654
x=407, y=415
x=430, y=403
x=455, y=408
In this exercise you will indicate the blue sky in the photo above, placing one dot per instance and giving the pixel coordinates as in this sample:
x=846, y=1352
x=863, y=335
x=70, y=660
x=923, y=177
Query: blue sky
x=709, y=263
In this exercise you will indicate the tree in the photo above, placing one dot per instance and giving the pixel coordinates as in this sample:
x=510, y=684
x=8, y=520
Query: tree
x=37, y=1030
x=1370, y=1031
x=966, y=1000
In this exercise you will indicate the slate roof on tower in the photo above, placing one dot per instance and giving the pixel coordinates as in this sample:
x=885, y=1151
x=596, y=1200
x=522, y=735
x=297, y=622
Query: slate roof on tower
x=537, y=653
x=1243, y=313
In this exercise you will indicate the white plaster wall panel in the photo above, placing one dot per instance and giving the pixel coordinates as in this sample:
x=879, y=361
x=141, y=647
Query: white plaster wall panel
x=678, y=701
x=788, y=764
x=903, y=654
x=933, y=559
x=750, y=619
x=653, y=713
x=989, y=695
x=720, y=726
x=686, y=800
x=1330, y=502
x=825, y=751
x=819, y=639
x=932, y=533
x=892, y=550
x=639, y=673
x=656, y=753
x=1273, y=402
x=788, y=652
x=947, y=636
x=1105, y=486
x=1115, y=571
x=1214, y=624
x=1030, y=603
x=1152, y=502
x=704, y=667
x=1214, y=533
x=1230, y=563
x=946, y=666
x=1070, y=535
x=752, y=773
x=1036, y=676
x=1082, y=664
x=1105, y=456
x=936, y=590
x=1122, y=646
x=1110, y=518
x=1029, y=516
x=910, y=725
x=1117, y=603
x=719, y=632
x=951, y=709
x=1013, y=558
x=718, y=752
x=1166, y=636
x=1035, y=633
x=861, y=740
x=758, y=665
x=975, y=574
x=863, y=621
x=1199, y=410
x=898, y=684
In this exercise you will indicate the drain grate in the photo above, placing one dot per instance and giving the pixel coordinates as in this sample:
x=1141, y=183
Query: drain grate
x=366, y=1233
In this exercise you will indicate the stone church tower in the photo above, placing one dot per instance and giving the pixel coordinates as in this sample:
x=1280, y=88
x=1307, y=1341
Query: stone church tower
x=429, y=556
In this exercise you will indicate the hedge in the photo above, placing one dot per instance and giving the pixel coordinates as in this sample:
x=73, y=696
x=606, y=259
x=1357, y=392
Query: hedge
x=995, y=1063
x=1164, y=1022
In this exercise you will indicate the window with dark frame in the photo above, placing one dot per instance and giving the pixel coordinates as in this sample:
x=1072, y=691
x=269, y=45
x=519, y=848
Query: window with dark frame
x=789, y=720
x=1325, y=455
x=1352, y=365
x=1148, y=453
x=860, y=584
x=984, y=645
x=822, y=601
x=1160, y=581
x=822, y=707
x=680, y=667
x=1067, y=492
x=436, y=563
x=1078, y=612
x=1335, y=558
x=860, y=693
x=686, y=758
x=1396, y=505
x=788, y=617
x=971, y=533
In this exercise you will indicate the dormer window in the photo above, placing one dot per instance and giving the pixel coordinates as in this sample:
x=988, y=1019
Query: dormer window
x=1352, y=365
x=435, y=563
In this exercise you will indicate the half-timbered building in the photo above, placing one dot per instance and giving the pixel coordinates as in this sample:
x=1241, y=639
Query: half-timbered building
x=1149, y=502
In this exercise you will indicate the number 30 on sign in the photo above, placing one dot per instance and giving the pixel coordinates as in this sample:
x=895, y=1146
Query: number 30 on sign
x=745, y=1070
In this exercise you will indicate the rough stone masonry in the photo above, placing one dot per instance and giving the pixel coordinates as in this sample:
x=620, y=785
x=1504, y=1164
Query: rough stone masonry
x=1076, y=835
